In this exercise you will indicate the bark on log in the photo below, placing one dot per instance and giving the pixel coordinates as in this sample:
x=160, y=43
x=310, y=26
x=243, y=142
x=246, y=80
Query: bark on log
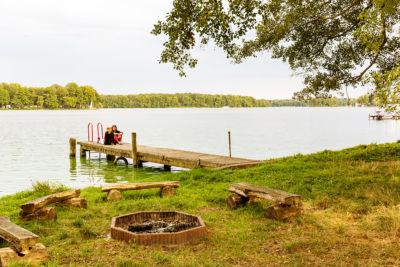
x=37, y=255
x=167, y=191
x=72, y=147
x=39, y=203
x=138, y=186
x=280, y=212
x=22, y=239
x=44, y=214
x=73, y=202
x=114, y=195
x=274, y=195
x=235, y=201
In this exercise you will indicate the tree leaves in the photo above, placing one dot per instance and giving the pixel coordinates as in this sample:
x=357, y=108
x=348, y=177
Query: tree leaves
x=333, y=44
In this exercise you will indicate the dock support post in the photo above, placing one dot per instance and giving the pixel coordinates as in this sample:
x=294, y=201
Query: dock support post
x=229, y=137
x=110, y=157
x=134, y=150
x=72, y=147
x=82, y=152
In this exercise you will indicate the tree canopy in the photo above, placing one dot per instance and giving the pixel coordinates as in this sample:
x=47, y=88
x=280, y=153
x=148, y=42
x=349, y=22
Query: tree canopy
x=333, y=44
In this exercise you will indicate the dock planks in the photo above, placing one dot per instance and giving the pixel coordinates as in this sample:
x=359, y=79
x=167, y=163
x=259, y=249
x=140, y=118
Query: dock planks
x=171, y=157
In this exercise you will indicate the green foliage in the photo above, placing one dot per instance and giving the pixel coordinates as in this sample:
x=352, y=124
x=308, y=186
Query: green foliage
x=333, y=44
x=350, y=197
x=52, y=97
x=180, y=100
x=48, y=187
x=4, y=96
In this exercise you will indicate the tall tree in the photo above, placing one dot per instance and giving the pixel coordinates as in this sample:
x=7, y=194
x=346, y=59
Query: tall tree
x=332, y=44
x=4, y=97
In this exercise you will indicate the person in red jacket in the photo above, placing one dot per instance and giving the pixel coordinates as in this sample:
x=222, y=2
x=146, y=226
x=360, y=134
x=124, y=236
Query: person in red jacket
x=117, y=135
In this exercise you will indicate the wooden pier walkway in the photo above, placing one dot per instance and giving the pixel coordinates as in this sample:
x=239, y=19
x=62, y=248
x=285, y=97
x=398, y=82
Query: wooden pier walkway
x=166, y=156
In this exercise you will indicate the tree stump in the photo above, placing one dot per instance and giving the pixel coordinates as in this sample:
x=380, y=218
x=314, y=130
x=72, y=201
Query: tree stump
x=114, y=195
x=73, y=202
x=44, y=214
x=235, y=201
x=281, y=211
x=37, y=255
x=167, y=191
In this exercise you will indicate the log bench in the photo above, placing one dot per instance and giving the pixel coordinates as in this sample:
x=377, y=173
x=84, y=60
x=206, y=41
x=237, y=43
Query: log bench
x=35, y=209
x=25, y=247
x=167, y=188
x=287, y=204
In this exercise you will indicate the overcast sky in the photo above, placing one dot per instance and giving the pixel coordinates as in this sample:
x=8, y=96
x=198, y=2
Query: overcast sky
x=107, y=44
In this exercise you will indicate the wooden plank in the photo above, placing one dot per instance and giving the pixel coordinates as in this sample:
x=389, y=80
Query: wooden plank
x=39, y=203
x=171, y=157
x=138, y=186
x=274, y=195
x=21, y=238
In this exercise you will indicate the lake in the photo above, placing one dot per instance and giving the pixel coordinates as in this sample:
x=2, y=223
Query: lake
x=34, y=143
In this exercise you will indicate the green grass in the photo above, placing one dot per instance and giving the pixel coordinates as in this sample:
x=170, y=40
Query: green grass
x=351, y=216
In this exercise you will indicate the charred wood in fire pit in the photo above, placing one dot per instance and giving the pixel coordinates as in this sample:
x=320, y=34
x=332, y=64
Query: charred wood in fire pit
x=161, y=227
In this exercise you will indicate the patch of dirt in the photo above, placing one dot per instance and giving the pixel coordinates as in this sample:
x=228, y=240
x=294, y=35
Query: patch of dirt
x=153, y=227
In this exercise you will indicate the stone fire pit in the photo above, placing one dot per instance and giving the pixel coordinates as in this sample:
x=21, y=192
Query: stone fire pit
x=157, y=227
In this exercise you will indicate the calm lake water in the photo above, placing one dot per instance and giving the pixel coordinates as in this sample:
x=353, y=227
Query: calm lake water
x=34, y=144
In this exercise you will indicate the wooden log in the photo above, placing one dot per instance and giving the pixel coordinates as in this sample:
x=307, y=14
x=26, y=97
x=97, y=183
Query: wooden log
x=134, y=150
x=167, y=191
x=280, y=212
x=235, y=201
x=44, y=214
x=39, y=203
x=138, y=186
x=82, y=152
x=114, y=195
x=73, y=202
x=37, y=255
x=72, y=147
x=274, y=195
x=22, y=239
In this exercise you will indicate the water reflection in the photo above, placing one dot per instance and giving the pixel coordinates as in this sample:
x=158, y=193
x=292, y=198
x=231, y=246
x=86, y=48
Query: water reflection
x=98, y=170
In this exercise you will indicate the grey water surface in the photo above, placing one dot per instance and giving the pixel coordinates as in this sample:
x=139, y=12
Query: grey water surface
x=34, y=143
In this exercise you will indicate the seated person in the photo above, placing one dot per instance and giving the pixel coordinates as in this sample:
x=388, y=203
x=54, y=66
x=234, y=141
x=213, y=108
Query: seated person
x=117, y=135
x=109, y=137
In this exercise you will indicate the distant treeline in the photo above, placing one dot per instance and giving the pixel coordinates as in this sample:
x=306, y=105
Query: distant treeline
x=180, y=100
x=15, y=96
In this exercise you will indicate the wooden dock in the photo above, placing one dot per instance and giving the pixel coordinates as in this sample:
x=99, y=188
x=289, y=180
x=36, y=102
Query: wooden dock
x=166, y=156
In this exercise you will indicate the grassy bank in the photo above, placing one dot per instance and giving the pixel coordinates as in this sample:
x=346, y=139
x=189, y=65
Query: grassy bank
x=351, y=216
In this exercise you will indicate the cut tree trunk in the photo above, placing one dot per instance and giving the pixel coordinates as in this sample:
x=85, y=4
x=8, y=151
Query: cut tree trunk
x=22, y=239
x=37, y=255
x=44, y=214
x=73, y=202
x=138, y=186
x=167, y=191
x=114, y=195
x=36, y=204
x=235, y=201
x=280, y=212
